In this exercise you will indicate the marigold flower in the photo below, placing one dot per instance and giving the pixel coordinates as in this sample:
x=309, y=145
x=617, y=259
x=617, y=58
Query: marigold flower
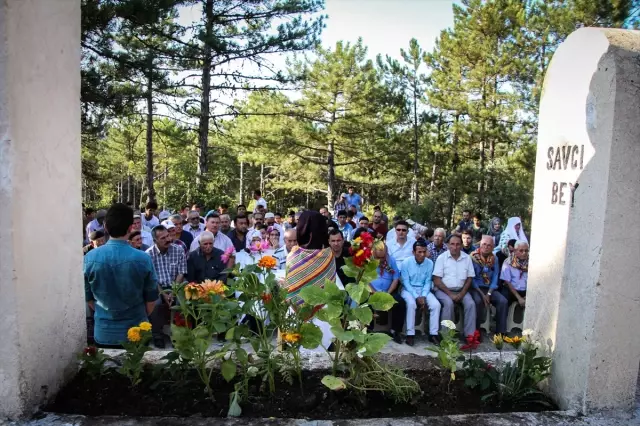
x=133, y=334
x=291, y=337
x=266, y=297
x=145, y=326
x=267, y=262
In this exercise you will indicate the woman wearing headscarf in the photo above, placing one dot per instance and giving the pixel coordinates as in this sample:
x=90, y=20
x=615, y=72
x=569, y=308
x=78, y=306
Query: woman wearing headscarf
x=495, y=230
x=311, y=261
x=513, y=231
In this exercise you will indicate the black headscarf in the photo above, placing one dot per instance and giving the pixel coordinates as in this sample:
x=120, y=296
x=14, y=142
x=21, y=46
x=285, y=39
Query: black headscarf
x=312, y=231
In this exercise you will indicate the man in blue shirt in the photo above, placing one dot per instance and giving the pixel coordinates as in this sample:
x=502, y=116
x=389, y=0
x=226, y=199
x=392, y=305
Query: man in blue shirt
x=119, y=282
x=354, y=199
x=344, y=226
x=416, y=274
x=485, y=285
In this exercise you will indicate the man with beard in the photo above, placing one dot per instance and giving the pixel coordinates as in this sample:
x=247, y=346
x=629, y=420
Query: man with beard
x=336, y=242
x=379, y=227
x=206, y=263
x=238, y=235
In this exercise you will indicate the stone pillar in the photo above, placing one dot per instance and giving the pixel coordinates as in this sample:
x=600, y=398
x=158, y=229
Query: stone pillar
x=41, y=284
x=584, y=293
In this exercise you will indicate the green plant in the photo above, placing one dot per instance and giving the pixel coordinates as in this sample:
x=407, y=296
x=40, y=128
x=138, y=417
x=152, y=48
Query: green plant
x=135, y=347
x=353, y=359
x=449, y=352
x=479, y=374
x=93, y=361
x=207, y=311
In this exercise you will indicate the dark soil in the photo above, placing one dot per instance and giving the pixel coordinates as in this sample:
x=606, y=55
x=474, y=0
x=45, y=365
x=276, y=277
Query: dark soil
x=113, y=395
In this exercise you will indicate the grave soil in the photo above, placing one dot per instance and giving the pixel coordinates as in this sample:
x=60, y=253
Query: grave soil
x=113, y=395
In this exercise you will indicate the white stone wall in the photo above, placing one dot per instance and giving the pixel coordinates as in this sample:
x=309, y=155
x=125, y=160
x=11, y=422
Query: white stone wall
x=41, y=285
x=583, y=293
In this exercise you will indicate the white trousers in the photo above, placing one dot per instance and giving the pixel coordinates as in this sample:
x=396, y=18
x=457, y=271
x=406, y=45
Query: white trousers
x=434, y=312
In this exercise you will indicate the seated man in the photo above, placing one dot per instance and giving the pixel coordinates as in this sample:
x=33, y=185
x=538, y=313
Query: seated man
x=452, y=277
x=485, y=285
x=416, y=291
x=400, y=248
x=96, y=239
x=340, y=253
x=135, y=239
x=119, y=281
x=388, y=281
x=514, y=274
x=438, y=246
x=206, y=262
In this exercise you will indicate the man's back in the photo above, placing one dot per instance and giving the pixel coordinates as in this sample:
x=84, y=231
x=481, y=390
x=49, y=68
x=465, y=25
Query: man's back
x=120, y=279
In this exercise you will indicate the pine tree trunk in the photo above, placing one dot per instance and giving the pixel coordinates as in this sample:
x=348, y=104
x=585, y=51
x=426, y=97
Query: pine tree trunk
x=241, y=197
x=414, y=186
x=203, y=128
x=151, y=193
x=331, y=173
x=454, y=170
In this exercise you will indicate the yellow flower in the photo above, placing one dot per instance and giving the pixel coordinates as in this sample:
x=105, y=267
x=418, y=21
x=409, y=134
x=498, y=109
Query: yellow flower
x=357, y=240
x=359, y=253
x=267, y=262
x=498, y=341
x=291, y=337
x=145, y=326
x=514, y=341
x=133, y=334
x=214, y=287
x=192, y=291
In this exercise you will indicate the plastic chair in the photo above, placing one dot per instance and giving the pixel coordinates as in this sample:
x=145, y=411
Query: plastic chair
x=515, y=318
x=486, y=325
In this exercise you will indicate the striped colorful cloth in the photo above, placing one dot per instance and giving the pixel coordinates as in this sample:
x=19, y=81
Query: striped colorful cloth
x=307, y=267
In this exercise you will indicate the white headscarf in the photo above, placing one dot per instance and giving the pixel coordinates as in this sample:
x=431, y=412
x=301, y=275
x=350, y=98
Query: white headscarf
x=511, y=230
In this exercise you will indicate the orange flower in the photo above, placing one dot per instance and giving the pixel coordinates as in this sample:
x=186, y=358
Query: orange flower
x=267, y=262
x=192, y=291
x=291, y=337
x=213, y=287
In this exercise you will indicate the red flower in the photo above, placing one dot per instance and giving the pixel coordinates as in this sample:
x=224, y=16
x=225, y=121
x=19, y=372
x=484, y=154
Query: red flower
x=366, y=239
x=178, y=320
x=489, y=366
x=266, y=297
x=90, y=351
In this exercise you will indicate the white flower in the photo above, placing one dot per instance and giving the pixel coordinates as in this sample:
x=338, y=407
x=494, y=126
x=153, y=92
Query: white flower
x=528, y=332
x=364, y=330
x=361, y=352
x=252, y=371
x=354, y=325
x=449, y=324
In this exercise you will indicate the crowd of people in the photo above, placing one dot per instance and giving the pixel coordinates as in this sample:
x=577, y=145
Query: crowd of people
x=132, y=258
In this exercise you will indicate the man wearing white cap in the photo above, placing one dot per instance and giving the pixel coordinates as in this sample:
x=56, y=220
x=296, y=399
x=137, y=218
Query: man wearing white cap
x=164, y=215
x=171, y=228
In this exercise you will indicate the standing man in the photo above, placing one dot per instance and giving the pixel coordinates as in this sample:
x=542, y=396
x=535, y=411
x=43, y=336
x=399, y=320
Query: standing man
x=170, y=265
x=258, y=220
x=467, y=241
x=344, y=226
x=452, y=277
x=97, y=223
x=120, y=284
x=257, y=195
x=238, y=235
x=341, y=204
x=437, y=247
x=241, y=210
x=477, y=230
x=149, y=220
x=173, y=236
x=147, y=239
x=194, y=227
x=354, y=199
x=465, y=223
x=417, y=289
x=402, y=247
x=485, y=285
x=336, y=242
x=220, y=240
x=379, y=227
x=223, y=209
x=181, y=234
x=291, y=220
x=206, y=262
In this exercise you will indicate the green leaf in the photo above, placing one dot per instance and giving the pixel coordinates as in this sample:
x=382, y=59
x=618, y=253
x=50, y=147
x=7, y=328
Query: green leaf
x=381, y=301
x=342, y=335
x=364, y=314
x=375, y=342
x=329, y=312
x=358, y=336
x=349, y=269
x=313, y=295
x=334, y=383
x=358, y=292
x=228, y=369
x=311, y=335
x=234, y=408
x=242, y=356
x=333, y=291
x=220, y=326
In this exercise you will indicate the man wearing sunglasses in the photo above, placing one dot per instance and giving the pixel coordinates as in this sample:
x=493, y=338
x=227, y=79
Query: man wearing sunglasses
x=401, y=247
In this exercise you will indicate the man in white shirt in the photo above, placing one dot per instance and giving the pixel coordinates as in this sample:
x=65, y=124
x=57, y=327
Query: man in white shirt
x=391, y=235
x=149, y=220
x=257, y=195
x=290, y=241
x=452, y=276
x=194, y=226
x=220, y=241
x=147, y=239
x=401, y=247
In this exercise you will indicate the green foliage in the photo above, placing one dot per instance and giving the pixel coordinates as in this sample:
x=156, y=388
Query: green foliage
x=92, y=360
x=135, y=348
x=449, y=352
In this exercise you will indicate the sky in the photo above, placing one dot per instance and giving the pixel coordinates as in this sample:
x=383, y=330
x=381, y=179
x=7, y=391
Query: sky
x=386, y=26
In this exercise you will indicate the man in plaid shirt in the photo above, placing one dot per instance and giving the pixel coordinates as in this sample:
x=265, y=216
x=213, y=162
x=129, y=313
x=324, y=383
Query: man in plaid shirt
x=170, y=265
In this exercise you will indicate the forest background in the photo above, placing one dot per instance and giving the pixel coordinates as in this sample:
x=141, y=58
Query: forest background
x=199, y=112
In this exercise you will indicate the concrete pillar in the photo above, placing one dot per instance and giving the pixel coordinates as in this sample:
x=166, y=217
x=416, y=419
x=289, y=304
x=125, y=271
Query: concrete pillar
x=583, y=292
x=41, y=285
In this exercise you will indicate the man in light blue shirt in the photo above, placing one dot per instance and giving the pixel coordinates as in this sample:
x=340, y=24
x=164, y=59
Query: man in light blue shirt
x=416, y=291
x=120, y=284
x=344, y=226
x=354, y=199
